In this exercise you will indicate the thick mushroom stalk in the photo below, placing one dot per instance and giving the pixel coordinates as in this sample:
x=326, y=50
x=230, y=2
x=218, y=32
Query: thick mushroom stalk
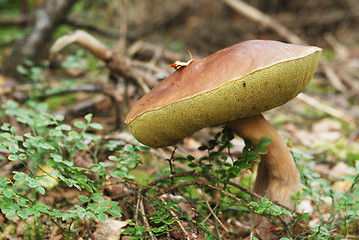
x=277, y=177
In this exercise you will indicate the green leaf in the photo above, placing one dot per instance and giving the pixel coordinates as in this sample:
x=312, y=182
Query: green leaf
x=102, y=216
x=59, y=118
x=83, y=198
x=10, y=214
x=115, y=213
x=21, y=157
x=96, y=126
x=74, y=135
x=97, y=197
x=18, y=176
x=80, y=124
x=88, y=117
x=34, y=184
x=193, y=165
x=13, y=157
x=65, y=127
x=41, y=190
x=9, y=193
x=46, y=146
x=128, y=231
x=275, y=210
x=81, y=146
x=23, y=213
x=261, y=145
x=143, y=148
x=13, y=148
x=22, y=70
x=128, y=148
x=57, y=158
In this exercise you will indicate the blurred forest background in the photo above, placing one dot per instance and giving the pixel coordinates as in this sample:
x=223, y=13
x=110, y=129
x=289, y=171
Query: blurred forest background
x=134, y=42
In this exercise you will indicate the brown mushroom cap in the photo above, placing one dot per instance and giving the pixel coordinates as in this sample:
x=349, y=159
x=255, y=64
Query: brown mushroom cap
x=239, y=81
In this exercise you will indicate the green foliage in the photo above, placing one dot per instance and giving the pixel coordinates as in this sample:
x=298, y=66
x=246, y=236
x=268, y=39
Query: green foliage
x=216, y=162
x=267, y=207
x=161, y=217
x=344, y=212
x=52, y=144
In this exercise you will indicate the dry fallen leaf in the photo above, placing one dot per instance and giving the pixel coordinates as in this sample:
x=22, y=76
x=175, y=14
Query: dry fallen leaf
x=341, y=186
x=305, y=206
x=341, y=169
x=110, y=229
x=177, y=65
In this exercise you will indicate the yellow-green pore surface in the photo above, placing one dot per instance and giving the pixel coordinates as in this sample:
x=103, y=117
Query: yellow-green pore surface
x=249, y=95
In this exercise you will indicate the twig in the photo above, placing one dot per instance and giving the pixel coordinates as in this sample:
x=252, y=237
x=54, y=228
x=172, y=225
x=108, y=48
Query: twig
x=123, y=21
x=333, y=77
x=147, y=225
x=181, y=226
x=73, y=89
x=85, y=40
x=137, y=208
x=82, y=105
x=164, y=178
x=263, y=19
x=75, y=23
x=340, y=114
x=117, y=65
x=88, y=229
x=213, y=214
x=268, y=22
x=203, y=184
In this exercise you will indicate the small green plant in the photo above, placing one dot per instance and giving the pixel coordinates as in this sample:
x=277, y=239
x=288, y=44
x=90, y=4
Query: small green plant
x=160, y=216
x=216, y=162
x=52, y=144
x=344, y=210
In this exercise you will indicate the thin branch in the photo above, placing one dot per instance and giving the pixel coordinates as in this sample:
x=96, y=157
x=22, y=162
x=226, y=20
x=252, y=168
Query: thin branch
x=334, y=112
x=213, y=214
x=203, y=184
x=264, y=20
x=147, y=225
x=118, y=65
x=268, y=22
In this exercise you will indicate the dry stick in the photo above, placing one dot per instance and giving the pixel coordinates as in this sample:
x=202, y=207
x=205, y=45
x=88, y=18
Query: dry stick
x=88, y=229
x=327, y=109
x=213, y=214
x=268, y=22
x=209, y=215
x=263, y=19
x=333, y=78
x=116, y=64
x=197, y=174
x=122, y=11
x=180, y=224
x=147, y=225
x=137, y=208
x=203, y=184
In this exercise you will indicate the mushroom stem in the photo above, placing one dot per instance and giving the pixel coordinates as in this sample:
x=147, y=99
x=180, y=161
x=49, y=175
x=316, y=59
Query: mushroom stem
x=277, y=177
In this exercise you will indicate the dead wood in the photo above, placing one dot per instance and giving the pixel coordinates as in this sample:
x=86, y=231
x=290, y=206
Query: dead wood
x=34, y=47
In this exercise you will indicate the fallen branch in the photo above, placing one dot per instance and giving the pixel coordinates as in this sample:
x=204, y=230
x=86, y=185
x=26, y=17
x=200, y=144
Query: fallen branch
x=117, y=65
x=264, y=20
x=268, y=22
x=340, y=114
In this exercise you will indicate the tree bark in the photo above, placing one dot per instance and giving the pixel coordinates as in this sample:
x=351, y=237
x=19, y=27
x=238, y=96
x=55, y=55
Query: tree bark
x=35, y=46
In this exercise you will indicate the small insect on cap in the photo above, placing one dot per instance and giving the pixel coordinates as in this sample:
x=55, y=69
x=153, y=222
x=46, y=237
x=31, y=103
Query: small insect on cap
x=243, y=80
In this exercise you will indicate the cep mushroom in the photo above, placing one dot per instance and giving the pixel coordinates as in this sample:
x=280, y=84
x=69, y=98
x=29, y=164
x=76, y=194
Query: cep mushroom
x=232, y=86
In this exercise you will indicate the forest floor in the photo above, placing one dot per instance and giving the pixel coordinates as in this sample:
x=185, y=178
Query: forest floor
x=159, y=198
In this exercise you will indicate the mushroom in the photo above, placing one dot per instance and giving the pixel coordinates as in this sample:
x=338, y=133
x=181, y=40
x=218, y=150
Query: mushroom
x=232, y=86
